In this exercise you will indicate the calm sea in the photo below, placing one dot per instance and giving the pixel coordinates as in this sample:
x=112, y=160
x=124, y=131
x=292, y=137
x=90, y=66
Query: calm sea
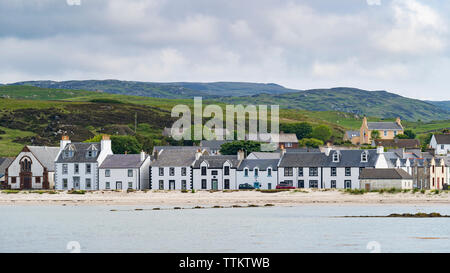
x=273, y=229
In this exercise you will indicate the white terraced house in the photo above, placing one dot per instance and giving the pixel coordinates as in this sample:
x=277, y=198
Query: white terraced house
x=332, y=169
x=124, y=172
x=216, y=172
x=440, y=144
x=77, y=164
x=258, y=173
x=172, y=168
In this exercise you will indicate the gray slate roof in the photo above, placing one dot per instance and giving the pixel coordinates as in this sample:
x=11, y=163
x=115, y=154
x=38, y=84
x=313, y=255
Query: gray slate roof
x=266, y=155
x=80, y=151
x=442, y=139
x=217, y=161
x=302, y=160
x=4, y=163
x=122, y=161
x=175, y=158
x=352, y=158
x=384, y=174
x=383, y=126
x=45, y=155
x=195, y=148
x=262, y=164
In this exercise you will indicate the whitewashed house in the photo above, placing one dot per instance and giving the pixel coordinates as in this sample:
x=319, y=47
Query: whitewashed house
x=77, y=164
x=259, y=173
x=172, y=168
x=301, y=170
x=216, y=172
x=440, y=144
x=33, y=168
x=342, y=167
x=124, y=172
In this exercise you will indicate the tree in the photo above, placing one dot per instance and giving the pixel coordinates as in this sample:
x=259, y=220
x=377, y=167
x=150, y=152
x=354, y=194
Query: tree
x=310, y=142
x=121, y=144
x=408, y=134
x=231, y=148
x=375, y=134
x=301, y=130
x=322, y=132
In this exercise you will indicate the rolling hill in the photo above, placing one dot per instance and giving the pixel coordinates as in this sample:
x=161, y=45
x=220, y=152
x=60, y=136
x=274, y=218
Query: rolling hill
x=441, y=104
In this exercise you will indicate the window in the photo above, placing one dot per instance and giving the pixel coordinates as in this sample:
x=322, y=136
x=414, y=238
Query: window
x=183, y=184
x=288, y=144
x=313, y=184
x=130, y=185
x=203, y=170
x=130, y=173
x=13, y=180
x=108, y=185
x=348, y=171
x=288, y=171
x=269, y=172
x=64, y=168
x=203, y=184
x=64, y=183
x=88, y=168
x=300, y=171
x=171, y=171
x=335, y=157
x=348, y=184
x=333, y=171
x=442, y=147
x=161, y=184
x=313, y=171
x=226, y=184
x=161, y=171
x=214, y=172
x=107, y=173
x=245, y=172
x=76, y=168
x=362, y=168
x=183, y=171
x=226, y=170
x=88, y=183
x=25, y=165
x=364, y=157
x=385, y=133
x=301, y=184
x=38, y=180
x=256, y=171
x=333, y=184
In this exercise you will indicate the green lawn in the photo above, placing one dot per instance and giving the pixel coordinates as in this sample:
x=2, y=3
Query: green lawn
x=9, y=148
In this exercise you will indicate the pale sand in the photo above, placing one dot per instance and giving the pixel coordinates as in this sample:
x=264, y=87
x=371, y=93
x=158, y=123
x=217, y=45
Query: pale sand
x=209, y=199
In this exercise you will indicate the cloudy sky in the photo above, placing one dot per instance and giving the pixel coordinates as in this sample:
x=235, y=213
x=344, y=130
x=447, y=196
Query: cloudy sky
x=397, y=45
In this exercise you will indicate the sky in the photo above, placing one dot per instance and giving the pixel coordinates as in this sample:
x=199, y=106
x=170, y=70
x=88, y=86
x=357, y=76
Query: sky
x=401, y=46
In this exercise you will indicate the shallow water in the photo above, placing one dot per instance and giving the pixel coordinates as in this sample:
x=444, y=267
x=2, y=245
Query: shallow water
x=308, y=228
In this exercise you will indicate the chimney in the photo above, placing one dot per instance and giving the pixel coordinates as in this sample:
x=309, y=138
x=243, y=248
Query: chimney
x=398, y=121
x=105, y=143
x=198, y=154
x=364, y=120
x=240, y=155
x=64, y=141
x=282, y=150
x=380, y=150
x=142, y=156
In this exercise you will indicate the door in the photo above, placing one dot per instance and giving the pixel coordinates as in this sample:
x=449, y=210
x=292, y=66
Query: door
x=76, y=183
x=26, y=181
x=367, y=187
x=269, y=186
x=171, y=184
x=256, y=185
x=118, y=185
x=215, y=184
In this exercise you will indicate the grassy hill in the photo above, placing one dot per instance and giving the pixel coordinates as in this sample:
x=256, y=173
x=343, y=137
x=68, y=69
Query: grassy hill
x=176, y=90
x=441, y=104
x=32, y=115
x=360, y=102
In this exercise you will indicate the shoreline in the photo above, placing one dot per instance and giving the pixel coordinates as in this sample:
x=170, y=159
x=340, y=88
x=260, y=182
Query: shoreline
x=220, y=198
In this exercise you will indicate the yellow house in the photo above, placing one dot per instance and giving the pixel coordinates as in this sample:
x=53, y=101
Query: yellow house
x=386, y=130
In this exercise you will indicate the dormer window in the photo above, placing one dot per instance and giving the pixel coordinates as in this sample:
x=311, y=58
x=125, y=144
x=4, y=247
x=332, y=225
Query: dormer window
x=91, y=152
x=336, y=157
x=69, y=151
x=364, y=157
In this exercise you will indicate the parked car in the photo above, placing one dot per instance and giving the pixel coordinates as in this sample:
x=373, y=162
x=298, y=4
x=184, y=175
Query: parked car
x=284, y=186
x=246, y=186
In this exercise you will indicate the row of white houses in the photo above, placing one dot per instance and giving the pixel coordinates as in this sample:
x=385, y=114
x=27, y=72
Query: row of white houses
x=93, y=166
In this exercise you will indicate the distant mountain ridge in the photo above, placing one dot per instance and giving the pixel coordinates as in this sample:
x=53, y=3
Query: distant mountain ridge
x=176, y=90
x=343, y=99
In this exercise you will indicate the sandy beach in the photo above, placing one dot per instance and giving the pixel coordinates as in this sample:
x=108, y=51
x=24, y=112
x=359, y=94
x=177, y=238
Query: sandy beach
x=206, y=198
